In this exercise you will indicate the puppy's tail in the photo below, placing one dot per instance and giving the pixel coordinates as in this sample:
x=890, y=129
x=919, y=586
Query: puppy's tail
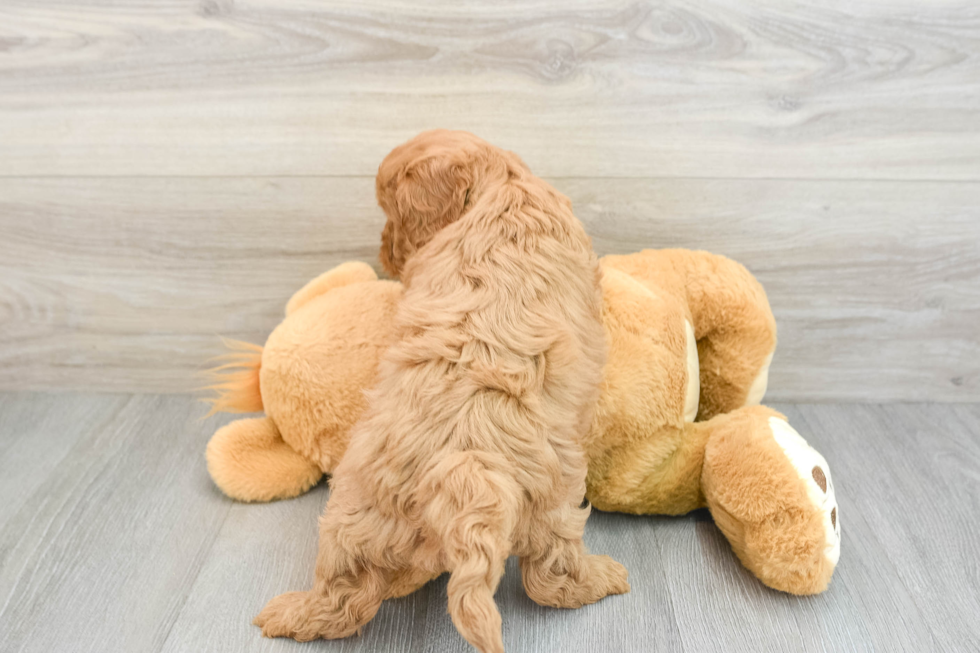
x=474, y=508
x=235, y=380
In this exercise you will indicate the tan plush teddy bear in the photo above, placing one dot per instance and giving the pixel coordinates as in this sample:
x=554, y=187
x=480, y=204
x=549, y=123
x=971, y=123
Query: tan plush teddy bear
x=678, y=425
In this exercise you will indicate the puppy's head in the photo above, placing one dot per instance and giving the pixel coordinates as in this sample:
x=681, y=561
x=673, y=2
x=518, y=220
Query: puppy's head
x=426, y=184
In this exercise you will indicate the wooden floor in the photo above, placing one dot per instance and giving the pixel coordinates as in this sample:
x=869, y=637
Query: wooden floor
x=112, y=538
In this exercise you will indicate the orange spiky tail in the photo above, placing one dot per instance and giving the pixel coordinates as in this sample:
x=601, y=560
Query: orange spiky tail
x=235, y=380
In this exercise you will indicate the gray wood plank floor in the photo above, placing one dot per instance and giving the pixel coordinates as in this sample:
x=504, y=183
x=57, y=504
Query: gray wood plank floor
x=112, y=538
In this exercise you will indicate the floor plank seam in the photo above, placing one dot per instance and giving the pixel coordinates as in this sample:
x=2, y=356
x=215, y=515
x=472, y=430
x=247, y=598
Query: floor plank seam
x=679, y=631
x=204, y=557
x=47, y=535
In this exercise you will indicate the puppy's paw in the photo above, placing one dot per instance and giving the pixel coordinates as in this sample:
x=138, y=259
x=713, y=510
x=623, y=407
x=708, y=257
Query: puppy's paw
x=611, y=575
x=286, y=616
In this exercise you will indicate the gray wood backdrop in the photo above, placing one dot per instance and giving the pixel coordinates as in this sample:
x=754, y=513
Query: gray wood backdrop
x=174, y=171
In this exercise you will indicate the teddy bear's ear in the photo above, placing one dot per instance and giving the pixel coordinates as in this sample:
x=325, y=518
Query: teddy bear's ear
x=342, y=275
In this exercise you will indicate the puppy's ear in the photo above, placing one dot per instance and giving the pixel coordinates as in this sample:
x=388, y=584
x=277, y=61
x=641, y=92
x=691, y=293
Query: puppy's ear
x=428, y=195
x=391, y=263
x=433, y=191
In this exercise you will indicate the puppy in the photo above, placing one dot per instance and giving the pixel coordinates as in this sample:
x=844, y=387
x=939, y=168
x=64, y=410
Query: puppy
x=471, y=448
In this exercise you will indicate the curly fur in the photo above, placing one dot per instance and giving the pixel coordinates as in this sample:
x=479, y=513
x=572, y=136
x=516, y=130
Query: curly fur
x=471, y=448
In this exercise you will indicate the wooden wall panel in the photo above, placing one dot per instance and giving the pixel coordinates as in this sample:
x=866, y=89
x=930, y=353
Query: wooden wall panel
x=172, y=171
x=687, y=88
x=126, y=283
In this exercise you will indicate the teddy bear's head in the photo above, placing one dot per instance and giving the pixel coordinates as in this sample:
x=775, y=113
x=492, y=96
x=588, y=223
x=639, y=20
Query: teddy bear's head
x=318, y=362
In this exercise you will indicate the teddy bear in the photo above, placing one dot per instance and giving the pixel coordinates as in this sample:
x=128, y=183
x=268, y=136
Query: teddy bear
x=678, y=425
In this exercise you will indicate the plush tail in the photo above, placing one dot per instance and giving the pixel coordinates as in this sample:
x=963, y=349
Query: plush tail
x=235, y=380
x=474, y=508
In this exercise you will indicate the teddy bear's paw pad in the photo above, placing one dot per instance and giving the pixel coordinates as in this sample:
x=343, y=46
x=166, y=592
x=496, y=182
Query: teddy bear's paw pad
x=814, y=472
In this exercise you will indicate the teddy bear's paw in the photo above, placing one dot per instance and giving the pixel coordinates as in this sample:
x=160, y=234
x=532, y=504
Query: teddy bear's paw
x=814, y=473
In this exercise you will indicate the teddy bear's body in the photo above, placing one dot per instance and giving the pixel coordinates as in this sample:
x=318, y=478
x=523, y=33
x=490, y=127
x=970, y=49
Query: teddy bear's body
x=678, y=425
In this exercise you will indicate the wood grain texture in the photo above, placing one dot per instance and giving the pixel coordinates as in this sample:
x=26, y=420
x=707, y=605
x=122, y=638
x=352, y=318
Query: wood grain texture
x=125, y=284
x=912, y=477
x=27, y=460
x=124, y=545
x=102, y=554
x=275, y=546
x=691, y=88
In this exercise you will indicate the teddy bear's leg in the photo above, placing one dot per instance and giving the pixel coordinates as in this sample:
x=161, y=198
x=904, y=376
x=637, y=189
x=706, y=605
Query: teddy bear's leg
x=342, y=275
x=733, y=324
x=772, y=496
x=659, y=474
x=563, y=574
x=249, y=461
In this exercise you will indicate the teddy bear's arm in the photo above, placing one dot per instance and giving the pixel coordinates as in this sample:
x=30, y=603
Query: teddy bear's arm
x=733, y=324
x=342, y=275
x=734, y=327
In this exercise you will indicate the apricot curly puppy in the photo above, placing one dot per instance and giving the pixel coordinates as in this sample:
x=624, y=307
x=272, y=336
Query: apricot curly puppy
x=471, y=448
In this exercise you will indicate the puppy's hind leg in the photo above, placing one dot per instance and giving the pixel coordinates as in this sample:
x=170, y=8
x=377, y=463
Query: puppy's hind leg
x=346, y=594
x=563, y=574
